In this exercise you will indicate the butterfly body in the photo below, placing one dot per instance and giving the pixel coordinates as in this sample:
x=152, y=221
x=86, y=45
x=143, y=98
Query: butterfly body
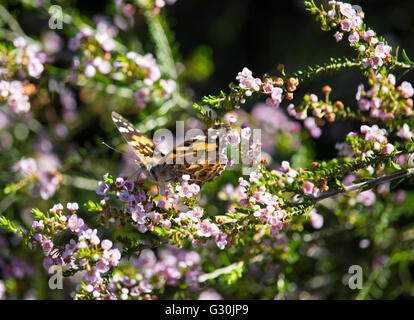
x=202, y=157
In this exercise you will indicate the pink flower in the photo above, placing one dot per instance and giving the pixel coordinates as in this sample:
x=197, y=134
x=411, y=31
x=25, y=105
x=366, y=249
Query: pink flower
x=138, y=215
x=357, y=21
x=125, y=196
x=277, y=96
x=204, y=229
x=185, y=190
x=129, y=185
x=285, y=166
x=119, y=182
x=47, y=263
x=364, y=104
x=382, y=50
x=19, y=42
x=233, y=138
x=47, y=246
x=353, y=38
x=365, y=62
x=267, y=88
x=249, y=83
x=407, y=89
x=72, y=206
x=246, y=133
x=38, y=225
x=103, y=188
x=316, y=192
x=26, y=166
x=142, y=228
x=389, y=148
x=90, y=71
x=230, y=117
x=404, y=132
x=195, y=188
x=196, y=213
x=376, y=62
x=166, y=224
x=34, y=67
x=168, y=86
x=307, y=187
x=115, y=257
x=140, y=96
x=57, y=208
x=103, y=66
x=291, y=110
x=221, y=241
x=348, y=180
x=301, y=115
x=244, y=74
x=368, y=34
x=400, y=196
x=365, y=129
x=346, y=24
x=255, y=176
x=338, y=36
x=366, y=197
x=75, y=223
x=159, y=3
x=331, y=13
x=316, y=219
x=376, y=102
x=106, y=244
x=347, y=10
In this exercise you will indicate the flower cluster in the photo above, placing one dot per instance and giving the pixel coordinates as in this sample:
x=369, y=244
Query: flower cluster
x=373, y=139
x=84, y=251
x=42, y=171
x=245, y=146
x=146, y=69
x=147, y=213
x=101, y=54
x=268, y=207
x=154, y=272
x=320, y=109
x=15, y=64
x=265, y=205
x=273, y=88
x=372, y=50
x=384, y=100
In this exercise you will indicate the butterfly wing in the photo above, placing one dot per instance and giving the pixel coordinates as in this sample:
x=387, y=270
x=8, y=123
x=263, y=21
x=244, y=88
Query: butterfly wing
x=142, y=145
x=202, y=157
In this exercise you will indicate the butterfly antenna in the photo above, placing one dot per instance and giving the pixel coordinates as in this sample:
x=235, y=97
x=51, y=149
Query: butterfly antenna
x=112, y=148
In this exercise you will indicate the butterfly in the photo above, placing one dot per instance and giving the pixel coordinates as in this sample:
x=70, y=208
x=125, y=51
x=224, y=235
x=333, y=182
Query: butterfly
x=202, y=157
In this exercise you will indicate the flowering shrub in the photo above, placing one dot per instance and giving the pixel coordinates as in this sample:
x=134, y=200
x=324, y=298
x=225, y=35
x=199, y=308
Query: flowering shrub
x=273, y=221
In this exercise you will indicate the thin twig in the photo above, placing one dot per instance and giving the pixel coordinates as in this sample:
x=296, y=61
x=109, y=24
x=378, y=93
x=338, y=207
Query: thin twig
x=357, y=186
x=12, y=23
x=218, y=272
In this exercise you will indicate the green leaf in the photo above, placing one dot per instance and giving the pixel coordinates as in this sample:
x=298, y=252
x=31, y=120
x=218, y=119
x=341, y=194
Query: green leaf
x=407, y=60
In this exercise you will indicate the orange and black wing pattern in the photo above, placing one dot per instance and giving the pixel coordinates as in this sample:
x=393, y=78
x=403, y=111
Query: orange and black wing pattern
x=203, y=157
x=142, y=145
